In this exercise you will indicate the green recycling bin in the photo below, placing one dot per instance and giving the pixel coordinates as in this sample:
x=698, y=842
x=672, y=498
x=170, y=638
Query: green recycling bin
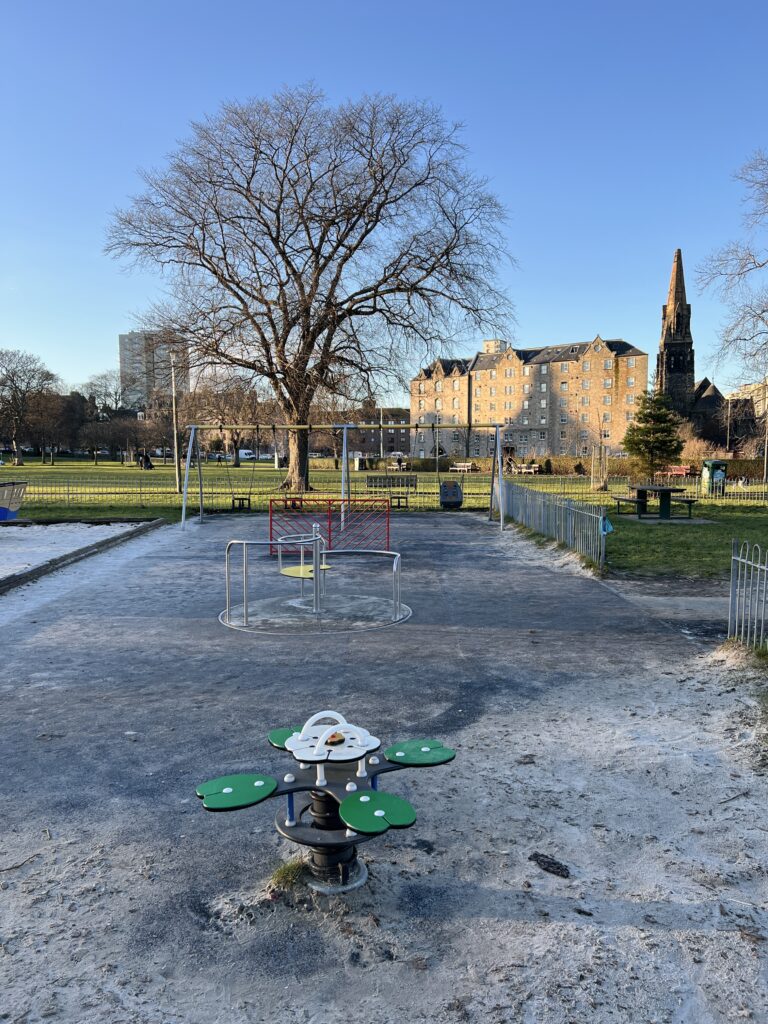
x=713, y=473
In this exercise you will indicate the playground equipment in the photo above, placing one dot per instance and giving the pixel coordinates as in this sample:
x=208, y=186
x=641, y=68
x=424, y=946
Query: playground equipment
x=244, y=501
x=341, y=804
x=287, y=614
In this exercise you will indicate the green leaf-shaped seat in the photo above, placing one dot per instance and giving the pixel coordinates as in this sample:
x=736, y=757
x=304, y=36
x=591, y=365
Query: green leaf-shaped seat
x=277, y=737
x=232, y=792
x=373, y=812
x=419, y=753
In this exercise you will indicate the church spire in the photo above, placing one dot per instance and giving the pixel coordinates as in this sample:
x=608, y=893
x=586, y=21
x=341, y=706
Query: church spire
x=674, y=363
x=676, y=314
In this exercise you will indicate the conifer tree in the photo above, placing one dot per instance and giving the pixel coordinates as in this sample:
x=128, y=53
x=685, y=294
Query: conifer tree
x=653, y=436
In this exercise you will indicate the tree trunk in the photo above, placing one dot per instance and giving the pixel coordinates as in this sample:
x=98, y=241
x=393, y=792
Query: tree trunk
x=297, y=479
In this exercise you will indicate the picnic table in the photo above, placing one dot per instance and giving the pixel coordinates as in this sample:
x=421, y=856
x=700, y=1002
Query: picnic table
x=662, y=492
x=463, y=467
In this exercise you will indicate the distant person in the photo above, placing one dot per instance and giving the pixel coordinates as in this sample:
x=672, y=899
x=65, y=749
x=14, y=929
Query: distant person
x=148, y=462
x=218, y=458
x=399, y=461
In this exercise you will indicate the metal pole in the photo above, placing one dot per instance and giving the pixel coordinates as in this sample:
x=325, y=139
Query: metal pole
x=186, y=479
x=732, y=598
x=381, y=432
x=344, y=472
x=245, y=583
x=199, y=477
x=765, y=437
x=175, y=419
x=316, y=541
x=500, y=465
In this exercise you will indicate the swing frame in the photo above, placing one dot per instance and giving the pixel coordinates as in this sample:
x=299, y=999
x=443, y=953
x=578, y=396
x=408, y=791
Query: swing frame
x=195, y=429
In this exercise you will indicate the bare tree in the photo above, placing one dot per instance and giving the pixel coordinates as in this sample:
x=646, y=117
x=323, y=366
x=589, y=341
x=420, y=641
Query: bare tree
x=233, y=401
x=22, y=377
x=110, y=390
x=308, y=243
x=739, y=274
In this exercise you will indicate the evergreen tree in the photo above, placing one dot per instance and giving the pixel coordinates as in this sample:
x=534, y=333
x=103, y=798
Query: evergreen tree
x=653, y=437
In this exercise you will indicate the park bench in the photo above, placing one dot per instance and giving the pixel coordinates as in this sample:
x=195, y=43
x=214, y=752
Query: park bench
x=627, y=499
x=394, y=468
x=398, y=486
x=527, y=469
x=464, y=467
x=690, y=502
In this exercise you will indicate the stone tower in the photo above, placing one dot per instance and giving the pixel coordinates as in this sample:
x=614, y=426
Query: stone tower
x=674, y=363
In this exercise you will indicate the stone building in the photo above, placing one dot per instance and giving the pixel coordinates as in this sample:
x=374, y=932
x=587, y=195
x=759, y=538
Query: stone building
x=556, y=399
x=145, y=367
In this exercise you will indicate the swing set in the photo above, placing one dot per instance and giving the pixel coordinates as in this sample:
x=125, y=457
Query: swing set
x=240, y=502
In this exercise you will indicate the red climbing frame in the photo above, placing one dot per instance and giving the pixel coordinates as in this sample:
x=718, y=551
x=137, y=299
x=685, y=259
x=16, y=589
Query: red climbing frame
x=356, y=523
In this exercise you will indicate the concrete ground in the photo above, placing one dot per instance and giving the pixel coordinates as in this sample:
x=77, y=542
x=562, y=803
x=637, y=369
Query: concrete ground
x=585, y=729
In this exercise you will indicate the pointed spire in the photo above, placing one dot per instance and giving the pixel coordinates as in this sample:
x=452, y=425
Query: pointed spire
x=676, y=295
x=676, y=314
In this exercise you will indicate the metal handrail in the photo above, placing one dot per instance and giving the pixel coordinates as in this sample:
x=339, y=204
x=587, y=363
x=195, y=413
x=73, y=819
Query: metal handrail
x=318, y=551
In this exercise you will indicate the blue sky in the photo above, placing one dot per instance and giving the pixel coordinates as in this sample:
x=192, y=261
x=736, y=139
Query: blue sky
x=611, y=132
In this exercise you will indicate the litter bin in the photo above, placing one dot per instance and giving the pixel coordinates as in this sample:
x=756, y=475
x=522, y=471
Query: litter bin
x=451, y=495
x=713, y=476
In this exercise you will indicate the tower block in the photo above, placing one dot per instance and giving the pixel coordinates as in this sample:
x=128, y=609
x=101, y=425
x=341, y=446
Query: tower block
x=674, y=363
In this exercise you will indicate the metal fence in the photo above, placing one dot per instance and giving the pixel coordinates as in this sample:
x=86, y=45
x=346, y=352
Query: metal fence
x=749, y=589
x=579, y=526
x=734, y=492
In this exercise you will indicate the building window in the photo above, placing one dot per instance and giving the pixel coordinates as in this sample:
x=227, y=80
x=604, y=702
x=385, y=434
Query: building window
x=607, y=364
x=585, y=366
x=542, y=419
x=478, y=391
x=526, y=371
x=438, y=403
x=630, y=399
x=421, y=438
x=455, y=403
x=544, y=369
x=585, y=399
x=438, y=385
x=421, y=403
x=631, y=362
x=563, y=367
x=563, y=435
x=493, y=391
x=454, y=419
x=456, y=385
x=630, y=382
x=606, y=434
x=583, y=435
x=525, y=421
x=526, y=389
x=492, y=407
x=606, y=417
x=608, y=382
x=542, y=403
x=493, y=375
x=563, y=403
x=584, y=417
x=586, y=384
x=421, y=388
x=543, y=386
x=526, y=403
x=509, y=372
x=607, y=399
x=563, y=419
x=563, y=385
x=542, y=435
x=421, y=420
x=630, y=417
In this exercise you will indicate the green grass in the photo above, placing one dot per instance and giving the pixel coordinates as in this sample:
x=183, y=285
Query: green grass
x=699, y=550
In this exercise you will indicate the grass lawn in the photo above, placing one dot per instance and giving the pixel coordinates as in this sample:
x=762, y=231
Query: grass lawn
x=695, y=550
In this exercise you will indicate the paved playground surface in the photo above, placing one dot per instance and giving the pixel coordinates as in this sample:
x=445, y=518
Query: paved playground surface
x=585, y=729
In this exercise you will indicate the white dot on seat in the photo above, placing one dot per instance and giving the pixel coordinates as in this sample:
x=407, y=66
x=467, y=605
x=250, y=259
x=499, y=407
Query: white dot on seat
x=258, y=783
x=425, y=750
x=379, y=814
x=400, y=753
x=227, y=789
x=364, y=799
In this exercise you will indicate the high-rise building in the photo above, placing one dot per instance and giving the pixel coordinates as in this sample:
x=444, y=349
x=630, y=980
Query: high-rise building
x=145, y=367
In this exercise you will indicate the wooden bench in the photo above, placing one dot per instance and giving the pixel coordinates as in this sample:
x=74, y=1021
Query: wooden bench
x=403, y=483
x=527, y=469
x=627, y=499
x=690, y=502
x=464, y=467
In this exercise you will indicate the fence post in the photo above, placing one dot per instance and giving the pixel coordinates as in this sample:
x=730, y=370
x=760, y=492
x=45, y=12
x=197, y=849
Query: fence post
x=732, y=598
